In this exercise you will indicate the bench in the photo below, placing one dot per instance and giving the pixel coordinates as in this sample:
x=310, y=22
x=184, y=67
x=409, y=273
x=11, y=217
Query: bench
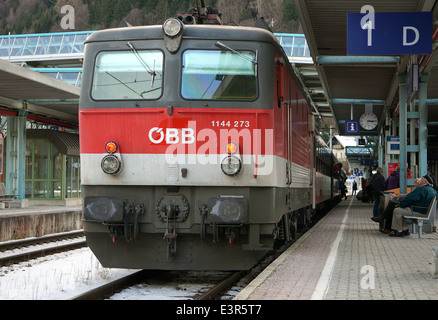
x=4, y=196
x=429, y=217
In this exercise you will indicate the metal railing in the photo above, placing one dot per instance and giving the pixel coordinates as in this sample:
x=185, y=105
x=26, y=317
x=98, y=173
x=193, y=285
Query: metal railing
x=295, y=45
x=70, y=75
x=16, y=47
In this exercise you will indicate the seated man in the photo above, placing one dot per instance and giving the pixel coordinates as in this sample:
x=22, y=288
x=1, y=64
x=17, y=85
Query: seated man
x=385, y=219
x=414, y=204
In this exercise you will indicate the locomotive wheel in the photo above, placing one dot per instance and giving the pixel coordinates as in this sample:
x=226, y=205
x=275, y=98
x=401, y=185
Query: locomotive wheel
x=287, y=228
x=293, y=225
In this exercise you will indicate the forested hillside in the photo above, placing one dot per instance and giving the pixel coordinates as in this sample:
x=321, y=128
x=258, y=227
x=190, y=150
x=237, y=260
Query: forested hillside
x=39, y=16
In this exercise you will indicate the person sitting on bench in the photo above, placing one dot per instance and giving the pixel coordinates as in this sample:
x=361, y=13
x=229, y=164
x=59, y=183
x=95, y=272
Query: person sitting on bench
x=414, y=204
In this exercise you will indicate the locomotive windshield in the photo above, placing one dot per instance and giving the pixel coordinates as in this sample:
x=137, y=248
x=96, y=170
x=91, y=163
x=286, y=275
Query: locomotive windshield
x=219, y=75
x=121, y=75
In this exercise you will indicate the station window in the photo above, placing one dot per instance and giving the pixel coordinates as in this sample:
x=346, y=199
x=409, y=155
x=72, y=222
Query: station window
x=73, y=173
x=50, y=174
x=43, y=170
x=128, y=75
x=218, y=75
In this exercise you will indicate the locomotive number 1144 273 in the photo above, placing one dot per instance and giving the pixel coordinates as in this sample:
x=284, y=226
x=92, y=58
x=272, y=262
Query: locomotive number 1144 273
x=230, y=123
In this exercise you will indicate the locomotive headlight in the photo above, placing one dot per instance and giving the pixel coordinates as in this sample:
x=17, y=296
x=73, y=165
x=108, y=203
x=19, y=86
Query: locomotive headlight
x=172, y=27
x=231, y=165
x=111, y=164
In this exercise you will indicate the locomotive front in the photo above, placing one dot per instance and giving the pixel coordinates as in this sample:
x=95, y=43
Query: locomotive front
x=180, y=168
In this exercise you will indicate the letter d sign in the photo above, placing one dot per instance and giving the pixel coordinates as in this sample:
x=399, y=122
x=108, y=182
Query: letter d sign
x=405, y=36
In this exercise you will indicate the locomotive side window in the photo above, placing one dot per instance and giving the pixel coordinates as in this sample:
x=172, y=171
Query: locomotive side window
x=218, y=75
x=131, y=75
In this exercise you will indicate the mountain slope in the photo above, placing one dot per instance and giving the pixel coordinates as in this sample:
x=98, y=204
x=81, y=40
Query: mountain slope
x=39, y=16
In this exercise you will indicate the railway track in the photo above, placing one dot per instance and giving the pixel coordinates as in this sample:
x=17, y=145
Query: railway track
x=161, y=285
x=212, y=293
x=25, y=249
x=112, y=287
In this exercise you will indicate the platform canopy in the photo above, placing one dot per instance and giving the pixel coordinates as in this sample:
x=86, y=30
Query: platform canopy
x=352, y=84
x=44, y=98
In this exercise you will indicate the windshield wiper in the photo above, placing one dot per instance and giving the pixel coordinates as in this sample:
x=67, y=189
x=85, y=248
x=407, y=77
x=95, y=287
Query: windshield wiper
x=143, y=63
x=223, y=46
x=253, y=61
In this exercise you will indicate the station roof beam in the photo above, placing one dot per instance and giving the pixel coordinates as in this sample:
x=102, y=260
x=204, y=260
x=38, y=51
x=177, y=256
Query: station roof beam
x=44, y=98
x=353, y=83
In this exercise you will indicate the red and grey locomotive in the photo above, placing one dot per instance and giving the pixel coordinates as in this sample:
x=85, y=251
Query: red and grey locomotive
x=198, y=148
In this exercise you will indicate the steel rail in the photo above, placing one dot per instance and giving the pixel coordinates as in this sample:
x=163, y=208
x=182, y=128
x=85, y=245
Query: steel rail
x=37, y=252
x=225, y=284
x=12, y=244
x=112, y=287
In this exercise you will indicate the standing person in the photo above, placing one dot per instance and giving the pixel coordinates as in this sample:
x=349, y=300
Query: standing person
x=364, y=190
x=393, y=181
x=378, y=188
x=343, y=189
x=367, y=191
x=354, y=188
x=420, y=198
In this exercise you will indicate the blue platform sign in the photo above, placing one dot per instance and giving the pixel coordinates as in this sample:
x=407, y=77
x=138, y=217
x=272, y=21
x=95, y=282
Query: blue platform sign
x=389, y=33
x=352, y=127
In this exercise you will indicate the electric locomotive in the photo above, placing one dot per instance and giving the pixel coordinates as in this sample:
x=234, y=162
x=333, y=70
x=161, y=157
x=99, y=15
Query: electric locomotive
x=196, y=147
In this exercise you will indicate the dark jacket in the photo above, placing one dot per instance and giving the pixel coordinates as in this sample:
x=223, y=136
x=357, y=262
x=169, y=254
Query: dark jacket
x=393, y=181
x=420, y=197
x=378, y=183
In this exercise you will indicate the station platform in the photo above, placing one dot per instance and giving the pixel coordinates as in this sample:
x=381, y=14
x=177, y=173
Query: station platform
x=345, y=257
x=35, y=221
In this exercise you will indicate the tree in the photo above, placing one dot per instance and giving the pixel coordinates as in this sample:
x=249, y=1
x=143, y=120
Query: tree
x=289, y=11
x=45, y=22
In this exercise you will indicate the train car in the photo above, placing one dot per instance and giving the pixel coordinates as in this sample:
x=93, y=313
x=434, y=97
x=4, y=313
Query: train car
x=328, y=172
x=197, y=147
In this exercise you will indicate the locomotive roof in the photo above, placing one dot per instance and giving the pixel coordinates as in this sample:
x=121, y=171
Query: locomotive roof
x=213, y=32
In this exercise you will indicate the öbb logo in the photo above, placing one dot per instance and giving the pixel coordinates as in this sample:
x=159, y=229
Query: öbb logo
x=172, y=135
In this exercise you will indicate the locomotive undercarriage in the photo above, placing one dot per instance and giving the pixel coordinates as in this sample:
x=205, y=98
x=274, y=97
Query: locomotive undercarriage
x=196, y=228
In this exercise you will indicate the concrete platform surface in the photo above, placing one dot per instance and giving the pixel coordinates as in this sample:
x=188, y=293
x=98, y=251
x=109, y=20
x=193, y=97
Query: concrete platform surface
x=344, y=256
